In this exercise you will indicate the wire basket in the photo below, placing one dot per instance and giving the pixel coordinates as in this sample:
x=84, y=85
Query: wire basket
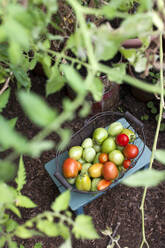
x=103, y=119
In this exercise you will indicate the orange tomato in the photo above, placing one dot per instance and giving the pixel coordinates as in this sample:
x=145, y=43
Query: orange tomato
x=70, y=168
x=110, y=171
x=79, y=165
x=103, y=157
x=103, y=184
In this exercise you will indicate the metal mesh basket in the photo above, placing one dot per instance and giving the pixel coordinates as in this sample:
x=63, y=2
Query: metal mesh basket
x=102, y=119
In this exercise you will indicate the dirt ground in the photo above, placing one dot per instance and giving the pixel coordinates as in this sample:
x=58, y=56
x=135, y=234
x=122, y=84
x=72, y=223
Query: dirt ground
x=121, y=204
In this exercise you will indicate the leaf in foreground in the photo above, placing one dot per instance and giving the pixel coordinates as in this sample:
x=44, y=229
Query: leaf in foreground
x=147, y=178
x=160, y=156
x=62, y=202
x=21, y=175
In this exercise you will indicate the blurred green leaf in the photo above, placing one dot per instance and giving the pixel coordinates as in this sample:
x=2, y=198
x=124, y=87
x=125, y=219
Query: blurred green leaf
x=96, y=88
x=83, y=228
x=154, y=110
x=12, y=122
x=14, y=53
x=61, y=203
x=2, y=241
x=49, y=228
x=146, y=178
x=66, y=244
x=23, y=80
x=162, y=127
x=7, y=193
x=37, y=147
x=24, y=201
x=63, y=230
x=4, y=99
x=117, y=73
x=21, y=175
x=38, y=245
x=37, y=109
x=24, y=233
x=160, y=156
x=12, y=244
x=150, y=104
x=84, y=111
x=65, y=136
x=14, y=209
x=7, y=170
x=11, y=225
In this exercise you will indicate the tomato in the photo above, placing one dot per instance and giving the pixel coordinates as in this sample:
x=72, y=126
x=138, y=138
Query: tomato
x=131, y=135
x=83, y=182
x=110, y=171
x=82, y=161
x=99, y=135
x=89, y=154
x=126, y=163
x=116, y=157
x=95, y=170
x=97, y=147
x=131, y=151
x=85, y=168
x=108, y=145
x=71, y=180
x=115, y=128
x=95, y=182
x=102, y=184
x=103, y=157
x=96, y=159
x=122, y=139
x=70, y=168
x=75, y=152
x=79, y=165
x=88, y=142
x=120, y=148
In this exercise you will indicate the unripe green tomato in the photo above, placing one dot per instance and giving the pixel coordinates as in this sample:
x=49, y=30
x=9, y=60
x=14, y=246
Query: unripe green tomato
x=115, y=128
x=75, y=152
x=99, y=135
x=95, y=181
x=85, y=168
x=116, y=157
x=97, y=147
x=88, y=142
x=108, y=145
x=96, y=159
x=83, y=182
x=89, y=154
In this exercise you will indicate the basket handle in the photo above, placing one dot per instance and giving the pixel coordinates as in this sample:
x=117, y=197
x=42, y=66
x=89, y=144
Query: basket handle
x=134, y=119
x=62, y=180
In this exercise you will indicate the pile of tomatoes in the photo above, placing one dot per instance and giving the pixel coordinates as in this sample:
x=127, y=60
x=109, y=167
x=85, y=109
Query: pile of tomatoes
x=98, y=161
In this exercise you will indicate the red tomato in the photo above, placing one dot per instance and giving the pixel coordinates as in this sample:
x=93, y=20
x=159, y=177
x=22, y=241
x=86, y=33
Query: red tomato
x=122, y=139
x=126, y=163
x=130, y=151
x=110, y=171
x=70, y=168
x=103, y=184
x=79, y=165
x=103, y=157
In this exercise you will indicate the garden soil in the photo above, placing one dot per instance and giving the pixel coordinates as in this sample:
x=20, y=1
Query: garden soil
x=121, y=204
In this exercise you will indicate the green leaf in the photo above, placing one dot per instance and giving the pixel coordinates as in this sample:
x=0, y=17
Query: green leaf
x=147, y=178
x=117, y=73
x=38, y=245
x=2, y=241
x=4, y=99
x=160, y=156
x=83, y=228
x=162, y=127
x=21, y=175
x=12, y=122
x=150, y=104
x=7, y=193
x=21, y=246
x=154, y=110
x=14, y=209
x=49, y=228
x=12, y=244
x=24, y=233
x=21, y=76
x=63, y=230
x=36, y=108
x=84, y=111
x=37, y=147
x=97, y=89
x=62, y=202
x=65, y=136
x=55, y=82
x=15, y=53
x=74, y=79
x=11, y=225
x=66, y=244
x=24, y=201
x=7, y=170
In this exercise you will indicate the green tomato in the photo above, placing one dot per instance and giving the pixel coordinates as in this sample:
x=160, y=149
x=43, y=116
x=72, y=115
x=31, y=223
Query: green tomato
x=116, y=157
x=115, y=128
x=97, y=147
x=88, y=142
x=82, y=161
x=96, y=159
x=83, y=182
x=108, y=145
x=71, y=180
x=85, y=168
x=95, y=181
x=99, y=135
x=131, y=135
x=75, y=152
x=89, y=154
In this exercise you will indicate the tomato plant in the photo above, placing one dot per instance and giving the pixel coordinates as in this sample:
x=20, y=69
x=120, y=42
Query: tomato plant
x=70, y=168
x=131, y=151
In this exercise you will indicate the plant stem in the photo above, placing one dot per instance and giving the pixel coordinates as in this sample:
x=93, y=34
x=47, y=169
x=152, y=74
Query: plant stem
x=144, y=241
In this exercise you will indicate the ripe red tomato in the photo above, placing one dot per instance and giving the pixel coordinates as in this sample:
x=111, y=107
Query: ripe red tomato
x=122, y=139
x=103, y=157
x=126, y=163
x=110, y=171
x=70, y=168
x=103, y=184
x=131, y=151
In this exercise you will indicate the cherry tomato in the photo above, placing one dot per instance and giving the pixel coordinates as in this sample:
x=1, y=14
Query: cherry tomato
x=110, y=171
x=131, y=151
x=95, y=170
x=102, y=184
x=103, y=157
x=126, y=163
x=70, y=168
x=122, y=139
x=79, y=165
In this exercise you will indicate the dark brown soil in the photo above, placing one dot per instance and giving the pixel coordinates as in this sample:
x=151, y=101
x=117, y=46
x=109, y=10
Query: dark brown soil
x=121, y=204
